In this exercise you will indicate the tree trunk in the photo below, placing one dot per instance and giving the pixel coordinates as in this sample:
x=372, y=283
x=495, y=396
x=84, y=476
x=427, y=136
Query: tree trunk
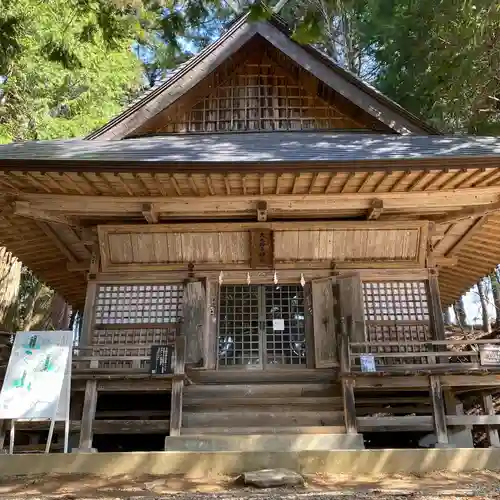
x=447, y=316
x=483, y=298
x=60, y=313
x=459, y=309
x=495, y=288
x=10, y=278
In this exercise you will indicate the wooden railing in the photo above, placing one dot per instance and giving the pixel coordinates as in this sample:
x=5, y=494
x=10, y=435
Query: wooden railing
x=124, y=357
x=87, y=355
x=433, y=355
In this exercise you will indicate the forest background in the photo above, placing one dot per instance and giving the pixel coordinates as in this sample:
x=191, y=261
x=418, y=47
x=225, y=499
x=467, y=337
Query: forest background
x=68, y=66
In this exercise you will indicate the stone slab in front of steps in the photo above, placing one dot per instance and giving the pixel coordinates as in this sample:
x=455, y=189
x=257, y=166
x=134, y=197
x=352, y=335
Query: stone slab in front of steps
x=265, y=442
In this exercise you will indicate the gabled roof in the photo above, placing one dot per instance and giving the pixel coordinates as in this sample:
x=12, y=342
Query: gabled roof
x=188, y=74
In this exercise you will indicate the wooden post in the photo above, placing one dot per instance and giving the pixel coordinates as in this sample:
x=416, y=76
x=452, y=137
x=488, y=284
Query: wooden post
x=194, y=318
x=351, y=426
x=177, y=387
x=88, y=415
x=89, y=311
x=3, y=432
x=210, y=333
x=490, y=410
x=438, y=412
x=435, y=310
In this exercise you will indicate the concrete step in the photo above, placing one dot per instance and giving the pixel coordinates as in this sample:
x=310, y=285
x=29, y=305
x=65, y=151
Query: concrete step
x=241, y=431
x=266, y=442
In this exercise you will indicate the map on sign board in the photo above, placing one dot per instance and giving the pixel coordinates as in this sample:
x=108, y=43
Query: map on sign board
x=36, y=383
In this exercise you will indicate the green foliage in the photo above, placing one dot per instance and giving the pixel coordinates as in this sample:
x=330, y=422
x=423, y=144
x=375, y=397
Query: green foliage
x=63, y=74
x=437, y=59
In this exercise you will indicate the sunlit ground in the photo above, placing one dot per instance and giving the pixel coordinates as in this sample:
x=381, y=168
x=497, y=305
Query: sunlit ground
x=437, y=485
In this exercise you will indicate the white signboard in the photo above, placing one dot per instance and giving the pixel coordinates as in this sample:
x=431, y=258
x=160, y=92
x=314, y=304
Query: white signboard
x=278, y=325
x=38, y=377
x=489, y=355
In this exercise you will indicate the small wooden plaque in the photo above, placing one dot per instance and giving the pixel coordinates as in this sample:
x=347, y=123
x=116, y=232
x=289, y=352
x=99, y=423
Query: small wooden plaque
x=261, y=249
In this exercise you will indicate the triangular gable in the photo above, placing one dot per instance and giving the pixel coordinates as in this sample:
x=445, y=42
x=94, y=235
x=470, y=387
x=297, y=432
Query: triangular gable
x=188, y=75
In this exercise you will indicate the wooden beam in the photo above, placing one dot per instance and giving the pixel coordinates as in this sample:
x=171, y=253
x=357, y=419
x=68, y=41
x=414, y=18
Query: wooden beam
x=441, y=261
x=150, y=214
x=52, y=235
x=173, y=181
x=23, y=209
x=366, y=180
x=159, y=184
x=466, y=213
x=350, y=421
x=474, y=229
x=88, y=415
x=210, y=185
x=227, y=184
x=489, y=409
x=395, y=424
x=376, y=210
x=123, y=184
x=400, y=181
x=438, y=411
x=177, y=387
x=436, y=311
x=333, y=175
x=78, y=266
x=350, y=175
x=262, y=211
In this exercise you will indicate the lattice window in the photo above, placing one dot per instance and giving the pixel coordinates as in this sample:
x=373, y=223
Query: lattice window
x=286, y=341
x=397, y=312
x=136, y=304
x=396, y=301
x=239, y=336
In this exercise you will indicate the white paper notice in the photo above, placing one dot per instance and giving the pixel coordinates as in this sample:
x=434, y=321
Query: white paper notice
x=278, y=325
x=38, y=370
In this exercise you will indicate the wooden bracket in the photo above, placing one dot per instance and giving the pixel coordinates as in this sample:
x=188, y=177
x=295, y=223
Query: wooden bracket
x=262, y=211
x=78, y=266
x=149, y=213
x=88, y=235
x=441, y=261
x=466, y=213
x=24, y=209
x=376, y=209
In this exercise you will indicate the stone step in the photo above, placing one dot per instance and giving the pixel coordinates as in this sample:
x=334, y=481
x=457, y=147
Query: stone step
x=265, y=442
x=241, y=431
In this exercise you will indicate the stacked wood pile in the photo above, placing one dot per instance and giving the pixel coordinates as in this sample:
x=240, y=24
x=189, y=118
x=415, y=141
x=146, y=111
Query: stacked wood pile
x=472, y=402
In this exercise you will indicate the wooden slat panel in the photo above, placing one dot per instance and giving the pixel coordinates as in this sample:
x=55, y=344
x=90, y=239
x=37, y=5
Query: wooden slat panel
x=325, y=344
x=346, y=245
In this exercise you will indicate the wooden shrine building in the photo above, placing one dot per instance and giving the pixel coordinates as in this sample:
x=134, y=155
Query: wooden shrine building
x=294, y=233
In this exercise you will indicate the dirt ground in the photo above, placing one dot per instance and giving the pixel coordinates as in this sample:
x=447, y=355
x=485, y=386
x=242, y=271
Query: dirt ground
x=444, y=486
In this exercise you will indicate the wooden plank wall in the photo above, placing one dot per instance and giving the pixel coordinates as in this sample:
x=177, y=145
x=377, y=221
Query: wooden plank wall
x=169, y=247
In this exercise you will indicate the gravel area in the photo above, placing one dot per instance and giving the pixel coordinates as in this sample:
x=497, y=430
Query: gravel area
x=443, y=486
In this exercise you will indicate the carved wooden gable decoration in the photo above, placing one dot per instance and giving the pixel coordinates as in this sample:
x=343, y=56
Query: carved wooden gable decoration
x=255, y=77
